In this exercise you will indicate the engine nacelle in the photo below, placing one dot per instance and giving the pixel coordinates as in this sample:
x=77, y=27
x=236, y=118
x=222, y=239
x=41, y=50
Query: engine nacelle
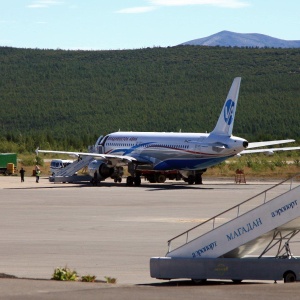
x=101, y=169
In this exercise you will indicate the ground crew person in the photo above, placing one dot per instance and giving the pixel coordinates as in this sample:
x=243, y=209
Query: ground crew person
x=22, y=173
x=37, y=175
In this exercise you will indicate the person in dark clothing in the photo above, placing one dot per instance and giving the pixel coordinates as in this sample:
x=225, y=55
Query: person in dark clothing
x=22, y=173
x=37, y=175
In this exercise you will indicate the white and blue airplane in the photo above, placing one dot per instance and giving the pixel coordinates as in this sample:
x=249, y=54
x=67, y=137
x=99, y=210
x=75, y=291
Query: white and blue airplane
x=189, y=153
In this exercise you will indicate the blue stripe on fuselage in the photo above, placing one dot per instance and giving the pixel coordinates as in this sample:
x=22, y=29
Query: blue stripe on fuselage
x=189, y=164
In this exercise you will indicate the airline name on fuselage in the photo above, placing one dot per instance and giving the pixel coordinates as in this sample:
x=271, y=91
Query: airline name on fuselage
x=122, y=138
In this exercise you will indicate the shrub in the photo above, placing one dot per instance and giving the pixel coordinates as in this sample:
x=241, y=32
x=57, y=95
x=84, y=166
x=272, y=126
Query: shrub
x=64, y=274
x=28, y=161
x=39, y=161
x=297, y=162
x=88, y=278
x=110, y=279
x=278, y=162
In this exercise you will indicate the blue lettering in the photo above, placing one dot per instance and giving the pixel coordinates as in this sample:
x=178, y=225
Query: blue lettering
x=229, y=237
x=211, y=246
x=236, y=234
x=283, y=209
x=242, y=230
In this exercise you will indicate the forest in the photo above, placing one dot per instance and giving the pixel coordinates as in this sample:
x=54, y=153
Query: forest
x=62, y=99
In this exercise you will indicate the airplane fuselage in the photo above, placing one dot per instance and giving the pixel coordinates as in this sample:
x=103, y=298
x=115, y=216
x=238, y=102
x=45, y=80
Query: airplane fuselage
x=173, y=151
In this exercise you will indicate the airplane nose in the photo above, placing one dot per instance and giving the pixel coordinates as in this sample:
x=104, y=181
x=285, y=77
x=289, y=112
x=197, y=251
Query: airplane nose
x=245, y=144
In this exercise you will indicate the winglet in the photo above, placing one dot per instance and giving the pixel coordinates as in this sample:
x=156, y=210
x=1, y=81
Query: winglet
x=37, y=151
x=226, y=119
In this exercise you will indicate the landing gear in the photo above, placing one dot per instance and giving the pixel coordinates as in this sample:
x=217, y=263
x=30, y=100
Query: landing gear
x=193, y=177
x=129, y=181
x=117, y=175
x=119, y=179
x=133, y=180
x=137, y=180
x=156, y=177
x=197, y=179
x=135, y=176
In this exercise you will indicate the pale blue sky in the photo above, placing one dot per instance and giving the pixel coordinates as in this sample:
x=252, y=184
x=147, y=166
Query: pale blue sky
x=132, y=24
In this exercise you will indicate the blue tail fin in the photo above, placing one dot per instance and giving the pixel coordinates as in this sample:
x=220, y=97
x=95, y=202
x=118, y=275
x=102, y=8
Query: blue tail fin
x=226, y=119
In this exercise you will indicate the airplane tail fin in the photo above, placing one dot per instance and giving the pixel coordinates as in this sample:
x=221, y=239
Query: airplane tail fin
x=226, y=119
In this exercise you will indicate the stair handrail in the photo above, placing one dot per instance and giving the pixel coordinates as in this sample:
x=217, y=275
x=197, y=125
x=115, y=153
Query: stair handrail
x=73, y=167
x=230, y=209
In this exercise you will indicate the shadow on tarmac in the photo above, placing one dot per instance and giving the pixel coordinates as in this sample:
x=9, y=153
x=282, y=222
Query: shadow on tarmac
x=202, y=283
x=158, y=284
x=150, y=187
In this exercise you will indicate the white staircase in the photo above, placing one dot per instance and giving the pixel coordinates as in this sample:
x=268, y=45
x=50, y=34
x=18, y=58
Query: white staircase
x=217, y=248
x=68, y=174
x=246, y=227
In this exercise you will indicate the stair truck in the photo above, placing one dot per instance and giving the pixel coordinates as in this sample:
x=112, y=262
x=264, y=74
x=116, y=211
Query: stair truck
x=260, y=225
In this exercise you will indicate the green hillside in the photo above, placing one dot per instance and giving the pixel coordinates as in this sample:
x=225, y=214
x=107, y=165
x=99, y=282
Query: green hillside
x=66, y=99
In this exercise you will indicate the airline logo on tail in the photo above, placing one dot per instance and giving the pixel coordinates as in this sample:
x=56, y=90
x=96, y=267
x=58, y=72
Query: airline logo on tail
x=229, y=111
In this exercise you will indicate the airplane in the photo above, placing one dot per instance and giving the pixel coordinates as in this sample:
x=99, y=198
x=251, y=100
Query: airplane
x=189, y=153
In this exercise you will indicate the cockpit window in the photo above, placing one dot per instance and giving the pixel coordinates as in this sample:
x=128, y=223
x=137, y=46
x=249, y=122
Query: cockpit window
x=104, y=140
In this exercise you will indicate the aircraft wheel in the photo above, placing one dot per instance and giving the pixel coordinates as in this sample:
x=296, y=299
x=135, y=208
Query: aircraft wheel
x=198, y=179
x=129, y=181
x=119, y=179
x=137, y=181
x=289, y=277
x=191, y=179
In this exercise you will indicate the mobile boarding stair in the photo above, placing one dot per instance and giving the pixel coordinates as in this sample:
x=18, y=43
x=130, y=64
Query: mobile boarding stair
x=68, y=174
x=219, y=248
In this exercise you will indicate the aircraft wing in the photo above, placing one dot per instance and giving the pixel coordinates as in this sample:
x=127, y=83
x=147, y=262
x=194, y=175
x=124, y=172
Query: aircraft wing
x=269, y=143
x=121, y=158
x=270, y=150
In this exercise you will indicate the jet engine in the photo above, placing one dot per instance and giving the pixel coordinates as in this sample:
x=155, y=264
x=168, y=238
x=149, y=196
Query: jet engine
x=99, y=169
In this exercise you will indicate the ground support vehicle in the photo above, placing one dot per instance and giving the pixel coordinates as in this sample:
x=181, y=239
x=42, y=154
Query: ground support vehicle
x=220, y=247
x=8, y=163
x=235, y=269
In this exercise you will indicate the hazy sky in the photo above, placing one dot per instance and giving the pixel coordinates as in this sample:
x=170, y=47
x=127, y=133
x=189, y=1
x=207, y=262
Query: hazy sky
x=131, y=24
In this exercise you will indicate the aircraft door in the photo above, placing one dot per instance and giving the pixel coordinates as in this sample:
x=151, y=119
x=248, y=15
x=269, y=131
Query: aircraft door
x=100, y=149
x=101, y=146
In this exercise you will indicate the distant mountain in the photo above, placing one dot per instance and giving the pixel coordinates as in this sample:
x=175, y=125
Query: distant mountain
x=233, y=39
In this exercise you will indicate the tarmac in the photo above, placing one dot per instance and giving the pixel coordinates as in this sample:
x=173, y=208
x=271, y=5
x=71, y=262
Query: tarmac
x=112, y=230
